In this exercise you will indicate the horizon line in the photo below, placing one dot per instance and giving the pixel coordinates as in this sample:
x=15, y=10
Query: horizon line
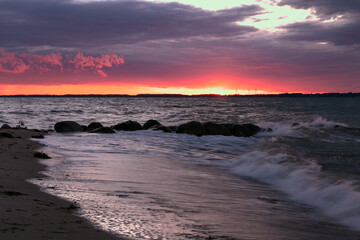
x=186, y=95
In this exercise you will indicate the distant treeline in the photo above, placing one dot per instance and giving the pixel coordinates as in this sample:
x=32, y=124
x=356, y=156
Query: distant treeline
x=350, y=94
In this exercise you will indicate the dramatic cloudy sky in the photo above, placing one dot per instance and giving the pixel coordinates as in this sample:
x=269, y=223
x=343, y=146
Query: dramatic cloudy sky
x=188, y=46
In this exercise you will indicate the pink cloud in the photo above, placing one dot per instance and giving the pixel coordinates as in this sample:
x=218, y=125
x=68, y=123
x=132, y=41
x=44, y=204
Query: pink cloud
x=43, y=63
x=97, y=64
x=19, y=63
x=10, y=63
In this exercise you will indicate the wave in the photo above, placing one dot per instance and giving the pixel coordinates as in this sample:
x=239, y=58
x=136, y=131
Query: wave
x=294, y=129
x=304, y=181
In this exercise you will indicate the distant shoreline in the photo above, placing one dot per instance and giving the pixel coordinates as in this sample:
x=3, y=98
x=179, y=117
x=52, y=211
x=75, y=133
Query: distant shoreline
x=350, y=94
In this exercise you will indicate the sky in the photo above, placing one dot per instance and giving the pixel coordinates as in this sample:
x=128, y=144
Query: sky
x=186, y=47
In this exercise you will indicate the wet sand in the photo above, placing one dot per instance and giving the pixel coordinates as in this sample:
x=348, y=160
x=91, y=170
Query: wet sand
x=26, y=212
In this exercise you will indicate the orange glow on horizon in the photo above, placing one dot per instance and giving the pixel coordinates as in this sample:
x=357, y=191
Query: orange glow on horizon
x=104, y=89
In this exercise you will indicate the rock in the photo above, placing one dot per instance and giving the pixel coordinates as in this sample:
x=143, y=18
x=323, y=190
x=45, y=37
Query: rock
x=5, y=126
x=41, y=155
x=252, y=129
x=244, y=130
x=68, y=126
x=173, y=128
x=128, y=126
x=216, y=129
x=193, y=127
x=227, y=125
x=295, y=124
x=93, y=126
x=38, y=136
x=162, y=128
x=150, y=123
x=235, y=129
x=102, y=130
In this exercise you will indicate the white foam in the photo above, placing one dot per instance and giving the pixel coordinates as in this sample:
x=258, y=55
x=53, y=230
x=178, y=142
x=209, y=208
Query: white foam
x=303, y=183
x=296, y=130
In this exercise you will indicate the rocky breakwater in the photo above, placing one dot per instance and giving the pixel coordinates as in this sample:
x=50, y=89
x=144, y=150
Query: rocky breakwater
x=192, y=127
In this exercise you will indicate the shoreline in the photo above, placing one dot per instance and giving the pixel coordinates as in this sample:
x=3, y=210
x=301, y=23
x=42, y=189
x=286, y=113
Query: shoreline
x=27, y=212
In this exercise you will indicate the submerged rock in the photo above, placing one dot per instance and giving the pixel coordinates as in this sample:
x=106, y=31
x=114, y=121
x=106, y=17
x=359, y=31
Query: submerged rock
x=162, y=128
x=173, y=128
x=38, y=136
x=41, y=155
x=150, y=123
x=216, y=129
x=128, y=126
x=102, y=130
x=93, y=126
x=68, y=126
x=5, y=126
x=244, y=130
x=252, y=129
x=193, y=127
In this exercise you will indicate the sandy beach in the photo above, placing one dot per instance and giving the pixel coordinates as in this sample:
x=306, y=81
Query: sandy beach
x=26, y=212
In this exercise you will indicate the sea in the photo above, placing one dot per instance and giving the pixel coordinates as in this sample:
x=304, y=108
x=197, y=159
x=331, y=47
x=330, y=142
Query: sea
x=299, y=180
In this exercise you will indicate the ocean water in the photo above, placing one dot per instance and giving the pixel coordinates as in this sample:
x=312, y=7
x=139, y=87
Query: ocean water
x=299, y=181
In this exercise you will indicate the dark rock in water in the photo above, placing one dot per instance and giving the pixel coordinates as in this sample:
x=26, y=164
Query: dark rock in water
x=93, y=126
x=252, y=129
x=102, y=130
x=192, y=127
x=227, y=125
x=173, y=128
x=150, y=123
x=162, y=128
x=68, y=126
x=41, y=155
x=5, y=126
x=84, y=127
x=128, y=126
x=153, y=127
x=237, y=130
x=216, y=129
x=244, y=130
x=6, y=135
x=38, y=136
x=295, y=124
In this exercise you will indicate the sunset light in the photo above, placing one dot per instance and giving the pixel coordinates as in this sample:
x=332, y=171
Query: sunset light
x=183, y=47
x=127, y=89
x=180, y=119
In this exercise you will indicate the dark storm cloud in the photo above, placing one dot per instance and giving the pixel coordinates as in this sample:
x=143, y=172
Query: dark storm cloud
x=326, y=8
x=67, y=24
x=344, y=34
x=345, y=31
